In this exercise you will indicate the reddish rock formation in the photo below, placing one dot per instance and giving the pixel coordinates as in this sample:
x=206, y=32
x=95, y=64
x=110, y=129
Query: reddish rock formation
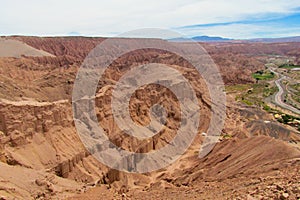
x=38, y=137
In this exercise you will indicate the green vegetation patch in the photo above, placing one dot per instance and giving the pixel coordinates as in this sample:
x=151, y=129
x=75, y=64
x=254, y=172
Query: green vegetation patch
x=263, y=75
x=237, y=88
x=254, y=94
x=285, y=118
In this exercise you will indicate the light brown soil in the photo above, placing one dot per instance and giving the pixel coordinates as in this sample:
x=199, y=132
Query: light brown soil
x=42, y=156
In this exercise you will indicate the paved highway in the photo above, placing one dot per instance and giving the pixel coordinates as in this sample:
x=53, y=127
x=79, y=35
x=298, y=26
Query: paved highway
x=280, y=94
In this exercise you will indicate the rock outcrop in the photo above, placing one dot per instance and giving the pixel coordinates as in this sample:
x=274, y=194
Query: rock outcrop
x=44, y=156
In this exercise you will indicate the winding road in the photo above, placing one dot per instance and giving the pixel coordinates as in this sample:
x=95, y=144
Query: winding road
x=279, y=95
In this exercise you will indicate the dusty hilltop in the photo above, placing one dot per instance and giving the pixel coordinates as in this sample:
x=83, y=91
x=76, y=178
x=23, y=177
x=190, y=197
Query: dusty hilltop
x=42, y=156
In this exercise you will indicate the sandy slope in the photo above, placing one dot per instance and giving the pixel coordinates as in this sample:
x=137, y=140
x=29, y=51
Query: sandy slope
x=14, y=48
x=236, y=169
x=24, y=183
x=42, y=156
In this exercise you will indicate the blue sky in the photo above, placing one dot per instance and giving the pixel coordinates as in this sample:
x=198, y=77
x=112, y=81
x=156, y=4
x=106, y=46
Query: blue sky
x=231, y=19
x=269, y=26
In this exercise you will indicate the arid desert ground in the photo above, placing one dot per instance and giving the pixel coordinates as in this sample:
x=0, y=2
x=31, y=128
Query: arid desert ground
x=257, y=155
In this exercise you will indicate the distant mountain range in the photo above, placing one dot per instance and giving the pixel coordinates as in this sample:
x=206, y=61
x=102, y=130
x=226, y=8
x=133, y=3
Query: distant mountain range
x=220, y=39
x=203, y=38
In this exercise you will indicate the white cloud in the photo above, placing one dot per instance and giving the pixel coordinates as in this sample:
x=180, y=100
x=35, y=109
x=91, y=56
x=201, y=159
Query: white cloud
x=244, y=31
x=92, y=17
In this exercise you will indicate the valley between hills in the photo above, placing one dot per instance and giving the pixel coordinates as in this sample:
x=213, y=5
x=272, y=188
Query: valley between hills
x=257, y=155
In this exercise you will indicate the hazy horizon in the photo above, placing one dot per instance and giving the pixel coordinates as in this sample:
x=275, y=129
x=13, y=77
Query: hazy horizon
x=228, y=19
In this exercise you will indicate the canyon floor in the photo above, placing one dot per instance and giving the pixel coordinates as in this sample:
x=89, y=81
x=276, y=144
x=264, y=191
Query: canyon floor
x=257, y=155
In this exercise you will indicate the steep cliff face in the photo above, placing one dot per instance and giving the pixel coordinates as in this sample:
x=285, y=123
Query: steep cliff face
x=40, y=138
x=232, y=58
x=37, y=133
x=28, y=117
x=72, y=51
x=28, y=123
